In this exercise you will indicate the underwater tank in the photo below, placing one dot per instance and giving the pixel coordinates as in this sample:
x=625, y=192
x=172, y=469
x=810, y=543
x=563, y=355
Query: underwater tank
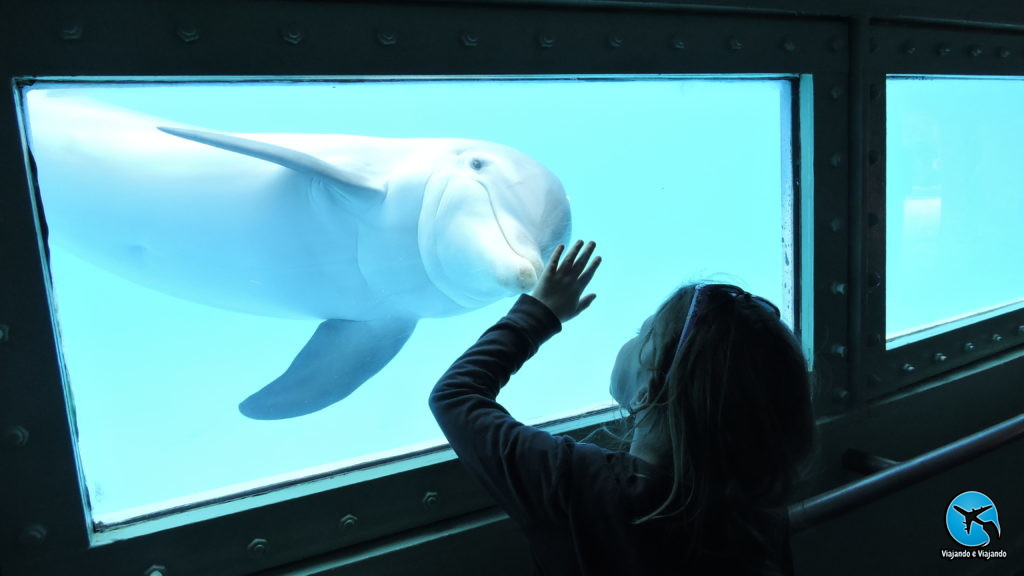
x=678, y=179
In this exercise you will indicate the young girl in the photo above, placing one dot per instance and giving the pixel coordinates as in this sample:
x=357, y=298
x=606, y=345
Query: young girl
x=719, y=393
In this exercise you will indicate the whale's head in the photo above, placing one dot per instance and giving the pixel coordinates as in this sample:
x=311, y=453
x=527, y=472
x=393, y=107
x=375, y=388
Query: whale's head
x=491, y=217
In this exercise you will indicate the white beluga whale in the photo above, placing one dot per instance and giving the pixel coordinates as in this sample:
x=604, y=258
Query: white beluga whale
x=367, y=234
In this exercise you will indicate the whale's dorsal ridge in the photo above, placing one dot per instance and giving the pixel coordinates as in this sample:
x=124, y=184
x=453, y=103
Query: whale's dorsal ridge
x=352, y=184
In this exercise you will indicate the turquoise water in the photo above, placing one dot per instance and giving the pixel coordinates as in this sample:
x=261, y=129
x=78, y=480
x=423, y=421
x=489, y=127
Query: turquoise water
x=676, y=179
x=954, y=199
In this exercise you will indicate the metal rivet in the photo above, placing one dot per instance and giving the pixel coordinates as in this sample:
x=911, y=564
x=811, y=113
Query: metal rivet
x=470, y=40
x=975, y=51
x=615, y=41
x=788, y=44
x=907, y=368
x=387, y=38
x=5, y=332
x=836, y=92
x=874, y=91
x=873, y=157
x=969, y=347
x=838, y=288
x=835, y=224
x=836, y=44
x=735, y=44
x=15, y=436
x=1005, y=52
x=258, y=548
x=874, y=280
x=996, y=338
x=939, y=357
x=874, y=381
x=188, y=33
x=874, y=339
x=348, y=523
x=292, y=34
x=156, y=570
x=678, y=42
x=1020, y=330
x=909, y=49
x=838, y=350
x=431, y=500
x=546, y=40
x=71, y=31
x=943, y=49
x=841, y=394
x=33, y=536
x=836, y=160
x=873, y=219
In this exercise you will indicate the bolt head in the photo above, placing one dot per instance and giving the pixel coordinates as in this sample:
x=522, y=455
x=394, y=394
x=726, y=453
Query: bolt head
x=431, y=500
x=1020, y=330
x=841, y=394
x=4, y=332
x=470, y=40
x=908, y=368
x=836, y=160
x=15, y=436
x=387, y=38
x=975, y=51
x=188, y=33
x=839, y=350
x=838, y=288
x=789, y=45
x=939, y=357
x=874, y=280
x=678, y=42
x=735, y=44
x=909, y=49
x=349, y=522
x=969, y=347
x=546, y=40
x=997, y=338
x=33, y=537
x=156, y=570
x=71, y=31
x=258, y=548
x=943, y=50
x=615, y=41
x=1005, y=52
x=836, y=92
x=292, y=34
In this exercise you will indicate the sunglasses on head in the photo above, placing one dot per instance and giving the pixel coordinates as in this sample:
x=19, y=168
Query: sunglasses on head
x=701, y=293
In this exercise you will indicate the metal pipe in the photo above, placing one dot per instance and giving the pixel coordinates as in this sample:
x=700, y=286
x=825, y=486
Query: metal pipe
x=828, y=505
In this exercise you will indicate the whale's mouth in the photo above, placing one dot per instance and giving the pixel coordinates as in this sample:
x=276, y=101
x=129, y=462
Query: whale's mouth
x=518, y=240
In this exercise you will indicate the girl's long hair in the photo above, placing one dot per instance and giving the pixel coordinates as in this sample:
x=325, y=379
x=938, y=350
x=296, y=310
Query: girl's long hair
x=734, y=403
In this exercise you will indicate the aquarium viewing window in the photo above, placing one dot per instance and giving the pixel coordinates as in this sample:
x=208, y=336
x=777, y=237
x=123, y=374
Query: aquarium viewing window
x=954, y=202
x=191, y=266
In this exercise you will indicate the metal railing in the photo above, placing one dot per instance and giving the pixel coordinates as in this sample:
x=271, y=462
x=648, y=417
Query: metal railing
x=893, y=476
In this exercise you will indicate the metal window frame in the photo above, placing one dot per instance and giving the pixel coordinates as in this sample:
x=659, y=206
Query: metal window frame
x=900, y=48
x=41, y=495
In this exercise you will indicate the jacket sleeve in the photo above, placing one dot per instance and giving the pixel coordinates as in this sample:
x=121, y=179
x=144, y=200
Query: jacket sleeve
x=523, y=468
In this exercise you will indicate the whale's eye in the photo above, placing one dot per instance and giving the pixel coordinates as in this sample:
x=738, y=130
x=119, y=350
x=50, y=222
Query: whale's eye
x=476, y=163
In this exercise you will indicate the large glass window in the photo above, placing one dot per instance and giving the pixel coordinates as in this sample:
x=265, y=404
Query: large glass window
x=190, y=269
x=954, y=201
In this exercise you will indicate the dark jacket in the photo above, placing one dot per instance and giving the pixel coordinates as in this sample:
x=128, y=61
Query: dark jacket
x=576, y=502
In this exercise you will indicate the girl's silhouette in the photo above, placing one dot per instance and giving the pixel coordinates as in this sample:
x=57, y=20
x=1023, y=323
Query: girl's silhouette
x=719, y=396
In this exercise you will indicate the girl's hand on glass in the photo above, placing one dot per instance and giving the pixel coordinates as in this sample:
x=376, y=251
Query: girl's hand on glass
x=562, y=283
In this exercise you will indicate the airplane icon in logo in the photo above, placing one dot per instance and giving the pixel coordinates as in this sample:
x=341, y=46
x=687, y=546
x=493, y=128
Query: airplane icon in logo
x=971, y=517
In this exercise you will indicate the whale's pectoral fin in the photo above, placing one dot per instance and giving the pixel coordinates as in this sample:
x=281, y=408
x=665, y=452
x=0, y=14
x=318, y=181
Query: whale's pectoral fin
x=350, y=184
x=341, y=355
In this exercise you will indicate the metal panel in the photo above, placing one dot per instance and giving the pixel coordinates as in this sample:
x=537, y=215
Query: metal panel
x=43, y=526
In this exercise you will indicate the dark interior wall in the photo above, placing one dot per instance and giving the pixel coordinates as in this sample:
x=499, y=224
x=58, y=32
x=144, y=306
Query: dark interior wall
x=899, y=534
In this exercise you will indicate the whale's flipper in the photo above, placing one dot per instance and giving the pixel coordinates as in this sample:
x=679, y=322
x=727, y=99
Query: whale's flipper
x=341, y=355
x=352, y=185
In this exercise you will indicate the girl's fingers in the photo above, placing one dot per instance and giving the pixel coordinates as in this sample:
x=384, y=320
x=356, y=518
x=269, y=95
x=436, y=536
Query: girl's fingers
x=588, y=273
x=584, y=257
x=571, y=256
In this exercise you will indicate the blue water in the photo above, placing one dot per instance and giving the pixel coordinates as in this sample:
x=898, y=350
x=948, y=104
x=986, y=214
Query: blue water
x=954, y=199
x=676, y=179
